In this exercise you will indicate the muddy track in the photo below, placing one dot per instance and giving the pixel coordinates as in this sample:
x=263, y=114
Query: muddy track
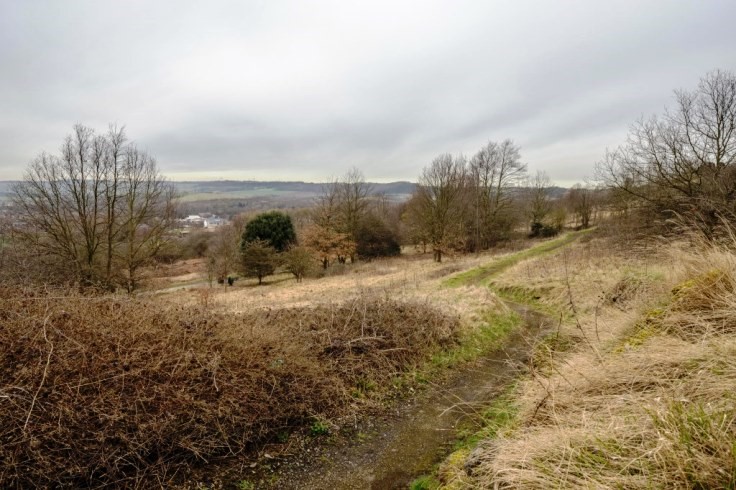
x=406, y=444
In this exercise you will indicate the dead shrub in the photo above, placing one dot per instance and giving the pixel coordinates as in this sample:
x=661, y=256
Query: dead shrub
x=626, y=289
x=707, y=291
x=125, y=392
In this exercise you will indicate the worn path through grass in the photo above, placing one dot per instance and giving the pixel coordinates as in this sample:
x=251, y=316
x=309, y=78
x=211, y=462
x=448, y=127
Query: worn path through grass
x=389, y=452
x=483, y=274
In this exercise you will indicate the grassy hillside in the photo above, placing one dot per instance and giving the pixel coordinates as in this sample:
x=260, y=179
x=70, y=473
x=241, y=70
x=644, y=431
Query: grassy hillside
x=636, y=387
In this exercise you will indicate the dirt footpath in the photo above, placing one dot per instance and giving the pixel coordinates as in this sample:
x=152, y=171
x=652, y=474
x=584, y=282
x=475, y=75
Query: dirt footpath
x=391, y=451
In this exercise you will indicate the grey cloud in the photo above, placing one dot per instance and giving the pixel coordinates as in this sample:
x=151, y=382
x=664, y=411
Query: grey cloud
x=237, y=89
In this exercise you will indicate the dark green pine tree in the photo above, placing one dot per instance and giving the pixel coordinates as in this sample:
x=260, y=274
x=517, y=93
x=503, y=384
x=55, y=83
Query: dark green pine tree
x=273, y=227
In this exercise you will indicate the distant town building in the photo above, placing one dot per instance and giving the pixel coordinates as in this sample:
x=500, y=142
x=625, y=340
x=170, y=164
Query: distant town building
x=197, y=221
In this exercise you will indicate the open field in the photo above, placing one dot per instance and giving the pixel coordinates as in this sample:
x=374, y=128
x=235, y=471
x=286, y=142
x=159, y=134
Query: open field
x=409, y=277
x=283, y=192
x=245, y=194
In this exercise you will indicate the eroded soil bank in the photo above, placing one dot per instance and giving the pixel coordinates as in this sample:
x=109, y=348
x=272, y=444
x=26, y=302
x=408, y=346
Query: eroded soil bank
x=390, y=452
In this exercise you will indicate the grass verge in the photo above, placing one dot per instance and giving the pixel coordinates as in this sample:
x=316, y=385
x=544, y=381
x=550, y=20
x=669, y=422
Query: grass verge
x=483, y=274
x=487, y=336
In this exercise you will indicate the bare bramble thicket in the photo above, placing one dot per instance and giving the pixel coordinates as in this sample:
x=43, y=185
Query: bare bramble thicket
x=97, y=212
x=681, y=164
x=113, y=391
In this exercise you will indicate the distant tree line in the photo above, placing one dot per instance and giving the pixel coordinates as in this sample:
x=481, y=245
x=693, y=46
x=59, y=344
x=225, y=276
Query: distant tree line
x=469, y=205
x=100, y=212
x=350, y=221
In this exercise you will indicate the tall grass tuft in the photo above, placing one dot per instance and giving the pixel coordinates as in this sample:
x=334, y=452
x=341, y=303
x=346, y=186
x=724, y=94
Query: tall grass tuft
x=657, y=409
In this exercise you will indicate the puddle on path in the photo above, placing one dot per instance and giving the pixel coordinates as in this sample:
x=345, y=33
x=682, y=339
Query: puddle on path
x=420, y=434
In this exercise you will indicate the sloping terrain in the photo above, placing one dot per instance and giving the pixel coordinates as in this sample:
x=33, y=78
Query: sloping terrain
x=636, y=387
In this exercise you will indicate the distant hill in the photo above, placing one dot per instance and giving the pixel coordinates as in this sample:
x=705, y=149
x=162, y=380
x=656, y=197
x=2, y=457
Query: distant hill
x=233, y=196
x=556, y=192
x=233, y=189
x=230, y=197
x=281, y=192
x=223, y=189
x=192, y=191
x=5, y=186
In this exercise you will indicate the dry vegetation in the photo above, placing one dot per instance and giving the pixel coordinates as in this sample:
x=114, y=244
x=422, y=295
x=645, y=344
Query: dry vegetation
x=635, y=389
x=410, y=276
x=117, y=391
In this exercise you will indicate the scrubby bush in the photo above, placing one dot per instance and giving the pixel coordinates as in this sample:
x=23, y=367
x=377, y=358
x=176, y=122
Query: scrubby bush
x=258, y=259
x=195, y=244
x=125, y=392
x=374, y=239
x=543, y=230
x=299, y=261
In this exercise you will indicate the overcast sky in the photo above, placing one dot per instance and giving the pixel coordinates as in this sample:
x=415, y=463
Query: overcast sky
x=305, y=90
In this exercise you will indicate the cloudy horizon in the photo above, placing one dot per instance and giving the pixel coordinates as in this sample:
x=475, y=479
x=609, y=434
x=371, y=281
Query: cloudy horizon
x=305, y=90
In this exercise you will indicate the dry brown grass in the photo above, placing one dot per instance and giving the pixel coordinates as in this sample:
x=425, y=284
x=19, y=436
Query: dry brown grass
x=645, y=398
x=654, y=417
x=409, y=276
x=703, y=301
x=134, y=393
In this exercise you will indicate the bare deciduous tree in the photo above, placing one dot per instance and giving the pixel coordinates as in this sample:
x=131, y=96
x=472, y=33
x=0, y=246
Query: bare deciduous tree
x=340, y=209
x=353, y=194
x=438, y=209
x=493, y=170
x=223, y=252
x=325, y=213
x=683, y=162
x=147, y=212
x=100, y=208
x=581, y=201
x=538, y=203
x=299, y=261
